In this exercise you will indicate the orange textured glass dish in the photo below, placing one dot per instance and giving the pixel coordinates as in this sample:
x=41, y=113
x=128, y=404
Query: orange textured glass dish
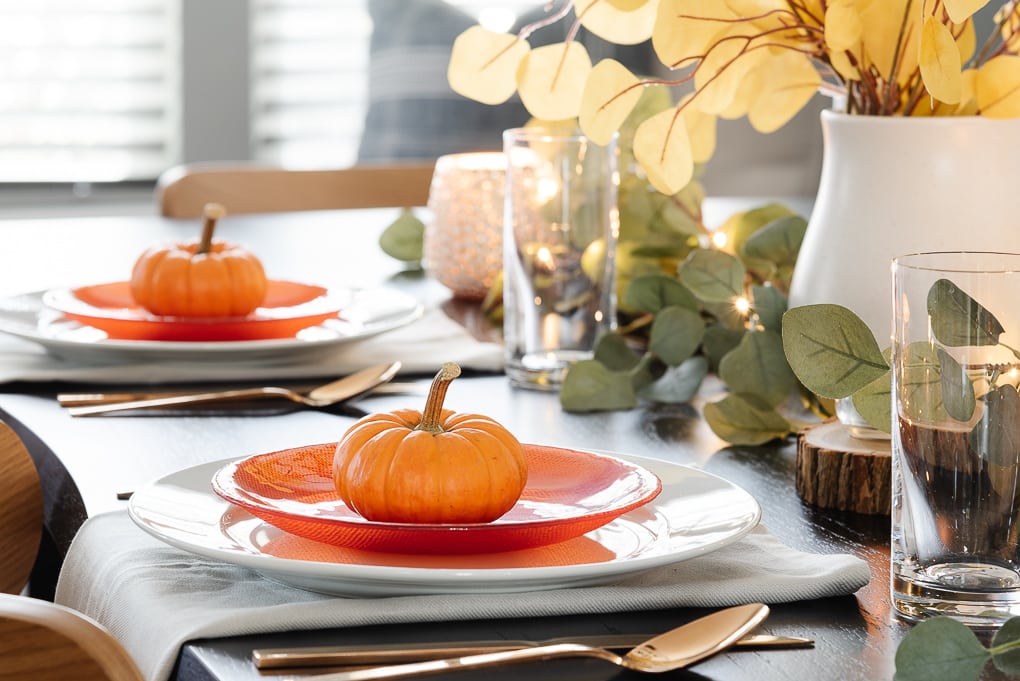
x=568, y=494
x=287, y=308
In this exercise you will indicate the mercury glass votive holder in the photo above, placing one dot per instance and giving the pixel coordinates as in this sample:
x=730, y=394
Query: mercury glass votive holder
x=463, y=246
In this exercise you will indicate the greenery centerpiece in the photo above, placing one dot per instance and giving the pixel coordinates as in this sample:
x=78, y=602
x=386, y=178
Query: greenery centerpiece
x=716, y=301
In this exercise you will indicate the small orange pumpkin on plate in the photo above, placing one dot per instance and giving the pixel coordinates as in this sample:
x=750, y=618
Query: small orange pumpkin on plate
x=433, y=466
x=201, y=278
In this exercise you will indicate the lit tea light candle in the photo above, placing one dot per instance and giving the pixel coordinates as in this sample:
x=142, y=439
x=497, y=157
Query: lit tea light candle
x=463, y=246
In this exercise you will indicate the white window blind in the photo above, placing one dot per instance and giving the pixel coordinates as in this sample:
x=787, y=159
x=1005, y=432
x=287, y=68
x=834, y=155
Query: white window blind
x=87, y=89
x=310, y=65
x=309, y=89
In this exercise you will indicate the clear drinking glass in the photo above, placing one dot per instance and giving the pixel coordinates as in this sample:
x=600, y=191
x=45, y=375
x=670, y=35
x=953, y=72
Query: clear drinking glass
x=560, y=227
x=956, y=436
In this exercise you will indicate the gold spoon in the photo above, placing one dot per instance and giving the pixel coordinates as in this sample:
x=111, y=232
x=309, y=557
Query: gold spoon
x=326, y=395
x=677, y=648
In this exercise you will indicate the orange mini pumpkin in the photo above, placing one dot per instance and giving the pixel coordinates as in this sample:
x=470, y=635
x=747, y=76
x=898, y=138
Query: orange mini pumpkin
x=432, y=466
x=199, y=278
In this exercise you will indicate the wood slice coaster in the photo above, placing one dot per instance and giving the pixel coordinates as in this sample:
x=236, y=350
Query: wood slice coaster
x=836, y=470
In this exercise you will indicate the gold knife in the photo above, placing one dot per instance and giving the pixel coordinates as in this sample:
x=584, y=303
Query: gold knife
x=328, y=656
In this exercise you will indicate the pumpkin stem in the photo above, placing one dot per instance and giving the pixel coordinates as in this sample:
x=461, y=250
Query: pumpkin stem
x=211, y=212
x=431, y=416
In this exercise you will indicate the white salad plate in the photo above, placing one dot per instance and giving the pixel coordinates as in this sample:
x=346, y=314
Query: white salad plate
x=695, y=513
x=366, y=312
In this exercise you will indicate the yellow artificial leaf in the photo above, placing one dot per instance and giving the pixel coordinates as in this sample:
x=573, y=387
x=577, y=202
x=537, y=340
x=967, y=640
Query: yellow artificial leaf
x=940, y=62
x=622, y=22
x=998, y=87
x=663, y=149
x=565, y=126
x=719, y=74
x=813, y=9
x=961, y=10
x=551, y=80
x=968, y=105
x=789, y=82
x=1009, y=26
x=483, y=65
x=685, y=29
x=881, y=46
x=701, y=131
x=629, y=5
x=843, y=66
x=609, y=96
x=843, y=25
x=966, y=41
x=758, y=10
x=742, y=98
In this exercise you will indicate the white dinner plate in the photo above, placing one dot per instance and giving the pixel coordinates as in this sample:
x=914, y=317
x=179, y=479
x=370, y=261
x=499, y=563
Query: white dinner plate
x=696, y=513
x=368, y=312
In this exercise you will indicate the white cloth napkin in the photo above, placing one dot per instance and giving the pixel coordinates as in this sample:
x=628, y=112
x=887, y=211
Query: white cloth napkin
x=154, y=597
x=421, y=346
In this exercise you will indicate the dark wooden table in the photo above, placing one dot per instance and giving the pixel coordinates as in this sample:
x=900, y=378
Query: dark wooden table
x=86, y=462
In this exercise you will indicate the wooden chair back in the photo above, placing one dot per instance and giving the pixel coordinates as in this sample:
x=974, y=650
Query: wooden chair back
x=183, y=191
x=21, y=512
x=40, y=640
x=43, y=641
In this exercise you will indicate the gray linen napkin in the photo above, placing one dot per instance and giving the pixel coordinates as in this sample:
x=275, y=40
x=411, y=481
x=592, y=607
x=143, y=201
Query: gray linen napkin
x=421, y=346
x=119, y=575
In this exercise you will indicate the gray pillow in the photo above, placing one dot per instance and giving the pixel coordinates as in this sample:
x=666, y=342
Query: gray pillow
x=413, y=113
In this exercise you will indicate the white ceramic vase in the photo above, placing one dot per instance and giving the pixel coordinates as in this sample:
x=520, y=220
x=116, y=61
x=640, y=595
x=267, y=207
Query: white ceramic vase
x=892, y=185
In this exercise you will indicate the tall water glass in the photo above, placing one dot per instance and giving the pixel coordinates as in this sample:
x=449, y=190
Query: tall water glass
x=956, y=436
x=560, y=227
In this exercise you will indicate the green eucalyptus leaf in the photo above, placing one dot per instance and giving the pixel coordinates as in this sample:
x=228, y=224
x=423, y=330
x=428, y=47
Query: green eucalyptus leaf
x=612, y=351
x=727, y=315
x=874, y=402
x=589, y=386
x=740, y=226
x=770, y=305
x=1008, y=636
x=996, y=437
x=957, y=391
x=777, y=242
x=718, y=341
x=940, y=649
x=831, y=350
x=404, y=237
x=921, y=384
x=676, y=334
x=959, y=320
x=647, y=371
x=740, y=421
x=662, y=249
x=653, y=292
x=758, y=367
x=713, y=276
x=680, y=383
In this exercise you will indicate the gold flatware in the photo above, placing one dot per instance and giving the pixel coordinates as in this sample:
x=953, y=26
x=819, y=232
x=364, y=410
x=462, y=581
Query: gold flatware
x=326, y=395
x=677, y=648
x=385, y=653
x=96, y=398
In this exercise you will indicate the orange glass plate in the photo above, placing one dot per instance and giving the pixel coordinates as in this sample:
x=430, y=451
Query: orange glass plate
x=569, y=493
x=287, y=308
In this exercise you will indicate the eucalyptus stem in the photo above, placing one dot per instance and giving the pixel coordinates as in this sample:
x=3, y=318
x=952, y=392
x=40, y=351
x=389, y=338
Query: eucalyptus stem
x=1004, y=647
x=431, y=415
x=211, y=213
